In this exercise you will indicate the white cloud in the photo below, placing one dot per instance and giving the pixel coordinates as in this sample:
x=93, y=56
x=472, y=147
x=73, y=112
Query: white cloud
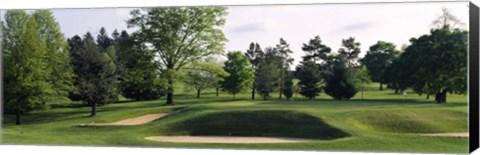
x=368, y=23
x=266, y=24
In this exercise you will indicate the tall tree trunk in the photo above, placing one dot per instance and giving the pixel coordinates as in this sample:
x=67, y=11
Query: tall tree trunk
x=17, y=120
x=94, y=108
x=170, y=93
x=428, y=96
x=234, y=96
x=362, y=94
x=381, y=86
x=198, y=93
x=396, y=91
x=441, y=96
x=216, y=91
x=281, y=84
x=253, y=91
x=444, y=96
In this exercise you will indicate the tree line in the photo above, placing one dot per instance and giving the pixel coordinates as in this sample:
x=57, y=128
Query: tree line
x=181, y=44
x=433, y=64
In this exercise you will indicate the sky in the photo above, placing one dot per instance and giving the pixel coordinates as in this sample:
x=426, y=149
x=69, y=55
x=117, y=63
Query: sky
x=297, y=24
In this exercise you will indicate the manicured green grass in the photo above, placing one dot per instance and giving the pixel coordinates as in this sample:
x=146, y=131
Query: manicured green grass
x=383, y=121
x=267, y=123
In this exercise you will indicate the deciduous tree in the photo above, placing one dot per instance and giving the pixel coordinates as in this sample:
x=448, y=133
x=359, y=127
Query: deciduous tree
x=138, y=72
x=362, y=78
x=180, y=35
x=26, y=76
x=241, y=75
x=440, y=62
x=57, y=51
x=378, y=58
x=204, y=74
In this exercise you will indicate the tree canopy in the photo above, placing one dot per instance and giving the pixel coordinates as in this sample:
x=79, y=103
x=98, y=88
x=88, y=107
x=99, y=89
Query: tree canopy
x=203, y=74
x=362, y=79
x=440, y=62
x=310, y=80
x=315, y=50
x=95, y=72
x=27, y=79
x=254, y=54
x=338, y=84
x=241, y=75
x=138, y=73
x=378, y=58
x=180, y=35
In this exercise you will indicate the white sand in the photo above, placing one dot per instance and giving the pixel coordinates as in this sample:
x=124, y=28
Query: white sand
x=451, y=134
x=132, y=121
x=225, y=139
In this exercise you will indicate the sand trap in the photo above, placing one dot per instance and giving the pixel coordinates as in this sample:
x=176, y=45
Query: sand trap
x=225, y=139
x=132, y=121
x=451, y=134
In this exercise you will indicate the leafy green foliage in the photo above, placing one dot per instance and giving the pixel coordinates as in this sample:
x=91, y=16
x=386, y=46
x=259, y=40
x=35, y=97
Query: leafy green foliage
x=254, y=54
x=26, y=75
x=58, y=56
x=288, y=85
x=395, y=75
x=103, y=40
x=180, y=35
x=440, y=62
x=350, y=50
x=362, y=78
x=310, y=79
x=285, y=61
x=378, y=58
x=315, y=50
x=204, y=74
x=95, y=72
x=309, y=71
x=267, y=74
x=241, y=75
x=338, y=85
x=138, y=72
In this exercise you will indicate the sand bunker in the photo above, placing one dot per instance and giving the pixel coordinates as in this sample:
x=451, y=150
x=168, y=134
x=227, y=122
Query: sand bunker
x=132, y=121
x=451, y=134
x=225, y=139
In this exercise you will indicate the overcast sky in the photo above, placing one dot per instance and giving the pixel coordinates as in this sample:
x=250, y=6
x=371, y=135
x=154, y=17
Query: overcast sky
x=367, y=23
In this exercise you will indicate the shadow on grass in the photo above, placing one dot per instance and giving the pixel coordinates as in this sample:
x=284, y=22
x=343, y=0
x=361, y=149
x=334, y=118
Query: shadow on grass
x=359, y=101
x=267, y=123
x=44, y=117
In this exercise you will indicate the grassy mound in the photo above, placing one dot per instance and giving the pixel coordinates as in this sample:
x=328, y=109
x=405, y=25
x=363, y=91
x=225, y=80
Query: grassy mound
x=413, y=121
x=267, y=123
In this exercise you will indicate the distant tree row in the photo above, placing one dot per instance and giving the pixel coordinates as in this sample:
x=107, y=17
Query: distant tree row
x=321, y=69
x=271, y=69
x=434, y=63
x=173, y=44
